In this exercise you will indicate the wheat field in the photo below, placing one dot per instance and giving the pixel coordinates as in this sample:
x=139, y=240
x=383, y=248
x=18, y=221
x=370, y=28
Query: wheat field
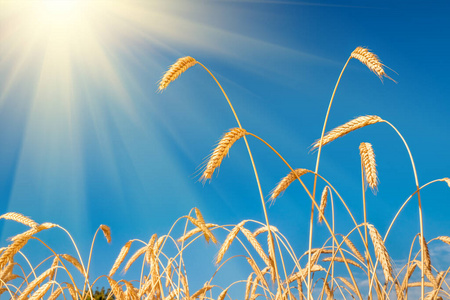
x=349, y=265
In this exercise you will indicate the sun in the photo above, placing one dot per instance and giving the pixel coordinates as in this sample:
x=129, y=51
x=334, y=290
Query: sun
x=58, y=7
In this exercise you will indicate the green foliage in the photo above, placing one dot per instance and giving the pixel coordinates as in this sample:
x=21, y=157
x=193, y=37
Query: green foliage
x=101, y=294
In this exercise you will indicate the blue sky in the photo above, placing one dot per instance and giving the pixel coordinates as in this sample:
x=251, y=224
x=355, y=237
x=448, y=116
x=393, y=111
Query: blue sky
x=86, y=139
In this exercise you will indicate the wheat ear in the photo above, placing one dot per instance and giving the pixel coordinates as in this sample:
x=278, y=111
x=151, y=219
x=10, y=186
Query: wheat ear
x=381, y=252
x=19, y=218
x=446, y=180
x=123, y=252
x=35, y=283
x=55, y=294
x=116, y=289
x=264, y=229
x=226, y=244
x=343, y=260
x=20, y=241
x=371, y=60
x=445, y=239
x=254, y=242
x=286, y=181
x=206, y=232
x=106, y=232
x=368, y=161
x=41, y=291
x=427, y=261
x=223, y=294
x=354, y=249
x=134, y=257
x=221, y=151
x=201, y=291
x=175, y=70
x=300, y=275
x=323, y=203
x=131, y=292
x=74, y=262
x=328, y=291
x=348, y=284
x=194, y=231
x=149, y=249
x=346, y=128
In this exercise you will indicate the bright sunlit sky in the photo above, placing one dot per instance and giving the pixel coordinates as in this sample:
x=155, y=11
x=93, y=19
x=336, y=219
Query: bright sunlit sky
x=85, y=139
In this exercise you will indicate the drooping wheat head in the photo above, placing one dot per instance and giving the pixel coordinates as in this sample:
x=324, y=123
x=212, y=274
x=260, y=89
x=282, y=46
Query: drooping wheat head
x=369, y=165
x=286, y=181
x=226, y=244
x=123, y=252
x=323, y=203
x=381, y=252
x=346, y=128
x=19, y=218
x=74, y=262
x=371, y=60
x=221, y=151
x=175, y=70
x=106, y=232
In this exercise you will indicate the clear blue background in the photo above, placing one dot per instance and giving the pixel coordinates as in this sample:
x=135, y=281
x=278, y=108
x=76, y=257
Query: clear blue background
x=131, y=159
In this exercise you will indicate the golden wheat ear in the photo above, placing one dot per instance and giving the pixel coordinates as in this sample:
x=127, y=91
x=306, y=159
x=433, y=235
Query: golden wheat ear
x=285, y=182
x=368, y=162
x=371, y=60
x=175, y=70
x=381, y=252
x=221, y=151
x=346, y=128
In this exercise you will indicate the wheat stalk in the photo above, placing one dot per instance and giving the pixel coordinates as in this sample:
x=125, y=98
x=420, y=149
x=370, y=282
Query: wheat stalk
x=221, y=151
x=368, y=162
x=346, y=128
x=371, y=60
x=286, y=181
x=381, y=252
x=175, y=70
